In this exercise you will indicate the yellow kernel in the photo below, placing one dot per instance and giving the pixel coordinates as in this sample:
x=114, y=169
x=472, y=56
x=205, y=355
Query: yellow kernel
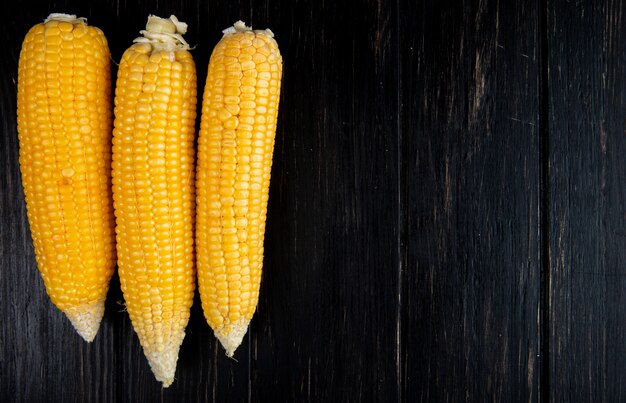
x=231, y=123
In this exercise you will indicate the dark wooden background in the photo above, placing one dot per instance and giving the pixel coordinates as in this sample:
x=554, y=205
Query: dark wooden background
x=447, y=217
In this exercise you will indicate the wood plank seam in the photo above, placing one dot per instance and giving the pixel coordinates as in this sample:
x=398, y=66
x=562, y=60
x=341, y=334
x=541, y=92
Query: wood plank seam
x=544, y=205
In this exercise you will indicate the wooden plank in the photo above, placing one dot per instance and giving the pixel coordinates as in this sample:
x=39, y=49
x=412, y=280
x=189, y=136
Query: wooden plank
x=587, y=91
x=472, y=165
x=326, y=326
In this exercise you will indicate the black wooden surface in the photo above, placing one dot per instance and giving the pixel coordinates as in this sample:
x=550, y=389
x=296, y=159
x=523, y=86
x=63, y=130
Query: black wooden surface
x=447, y=218
x=471, y=149
x=587, y=90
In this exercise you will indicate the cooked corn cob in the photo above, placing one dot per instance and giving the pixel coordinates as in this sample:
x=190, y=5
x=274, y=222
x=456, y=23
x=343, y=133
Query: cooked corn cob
x=64, y=125
x=153, y=188
x=235, y=148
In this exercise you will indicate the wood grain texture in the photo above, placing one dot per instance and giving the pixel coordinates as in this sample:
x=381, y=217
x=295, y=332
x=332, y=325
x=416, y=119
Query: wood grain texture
x=329, y=299
x=472, y=161
x=588, y=245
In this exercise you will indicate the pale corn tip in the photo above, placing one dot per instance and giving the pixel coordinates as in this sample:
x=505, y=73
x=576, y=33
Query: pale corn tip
x=231, y=340
x=86, y=319
x=163, y=363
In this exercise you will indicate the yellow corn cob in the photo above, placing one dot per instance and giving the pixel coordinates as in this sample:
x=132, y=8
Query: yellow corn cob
x=235, y=148
x=153, y=188
x=64, y=126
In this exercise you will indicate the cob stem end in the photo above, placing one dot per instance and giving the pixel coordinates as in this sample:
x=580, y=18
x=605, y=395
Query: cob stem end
x=86, y=319
x=71, y=18
x=164, y=33
x=241, y=26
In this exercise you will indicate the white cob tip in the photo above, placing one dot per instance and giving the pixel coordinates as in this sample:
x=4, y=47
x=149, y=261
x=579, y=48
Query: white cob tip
x=230, y=341
x=163, y=363
x=86, y=319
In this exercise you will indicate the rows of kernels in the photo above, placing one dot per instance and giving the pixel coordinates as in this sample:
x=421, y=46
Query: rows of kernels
x=208, y=234
x=187, y=164
x=153, y=190
x=271, y=72
x=237, y=128
x=64, y=121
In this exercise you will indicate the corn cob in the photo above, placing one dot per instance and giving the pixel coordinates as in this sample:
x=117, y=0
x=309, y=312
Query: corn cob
x=235, y=148
x=64, y=125
x=153, y=188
